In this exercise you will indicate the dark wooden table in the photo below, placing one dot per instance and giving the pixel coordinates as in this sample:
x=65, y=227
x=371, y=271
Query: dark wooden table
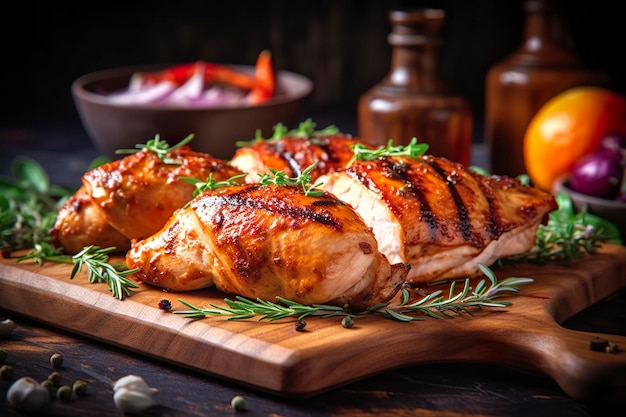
x=437, y=389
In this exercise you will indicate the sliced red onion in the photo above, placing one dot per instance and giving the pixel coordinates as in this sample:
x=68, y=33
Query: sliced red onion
x=143, y=95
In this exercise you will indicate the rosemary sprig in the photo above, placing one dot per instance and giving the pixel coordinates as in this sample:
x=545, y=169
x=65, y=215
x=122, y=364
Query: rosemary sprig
x=303, y=180
x=159, y=147
x=306, y=129
x=434, y=305
x=412, y=150
x=95, y=260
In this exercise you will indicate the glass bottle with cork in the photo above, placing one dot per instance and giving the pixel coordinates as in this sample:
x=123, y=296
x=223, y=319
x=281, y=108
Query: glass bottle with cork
x=413, y=100
x=544, y=65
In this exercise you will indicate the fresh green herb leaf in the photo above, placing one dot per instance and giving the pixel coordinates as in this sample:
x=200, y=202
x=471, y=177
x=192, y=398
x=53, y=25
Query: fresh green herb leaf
x=159, y=147
x=412, y=150
x=28, y=205
x=306, y=129
x=303, y=180
x=433, y=305
x=211, y=183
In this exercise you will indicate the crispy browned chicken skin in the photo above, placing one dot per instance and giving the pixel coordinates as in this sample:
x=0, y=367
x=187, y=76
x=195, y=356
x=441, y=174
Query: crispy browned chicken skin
x=132, y=197
x=292, y=155
x=263, y=241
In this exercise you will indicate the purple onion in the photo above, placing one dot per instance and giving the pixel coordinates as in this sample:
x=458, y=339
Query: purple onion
x=598, y=174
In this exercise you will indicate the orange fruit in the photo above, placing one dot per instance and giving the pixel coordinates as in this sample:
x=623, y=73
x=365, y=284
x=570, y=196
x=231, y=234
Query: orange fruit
x=568, y=127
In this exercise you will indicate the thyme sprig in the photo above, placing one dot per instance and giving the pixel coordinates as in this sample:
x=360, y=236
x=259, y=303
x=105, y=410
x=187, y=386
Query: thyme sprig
x=412, y=150
x=159, y=147
x=303, y=180
x=434, y=305
x=211, y=183
x=306, y=129
x=95, y=259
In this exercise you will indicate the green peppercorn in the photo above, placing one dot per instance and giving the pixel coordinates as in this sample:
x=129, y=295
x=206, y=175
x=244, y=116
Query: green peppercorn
x=80, y=387
x=3, y=356
x=55, y=377
x=49, y=385
x=6, y=372
x=347, y=322
x=56, y=360
x=64, y=393
x=238, y=403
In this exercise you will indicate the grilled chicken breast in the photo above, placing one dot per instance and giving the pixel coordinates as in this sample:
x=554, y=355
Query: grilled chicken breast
x=438, y=216
x=263, y=241
x=292, y=155
x=132, y=197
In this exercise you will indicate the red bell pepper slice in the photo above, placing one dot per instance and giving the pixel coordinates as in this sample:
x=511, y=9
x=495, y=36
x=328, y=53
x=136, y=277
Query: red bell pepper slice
x=265, y=86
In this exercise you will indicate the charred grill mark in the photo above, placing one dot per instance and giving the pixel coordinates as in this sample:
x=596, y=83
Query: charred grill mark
x=257, y=197
x=465, y=226
x=287, y=155
x=493, y=226
x=401, y=171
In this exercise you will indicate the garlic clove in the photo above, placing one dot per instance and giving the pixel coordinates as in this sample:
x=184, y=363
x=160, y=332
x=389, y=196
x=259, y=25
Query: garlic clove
x=132, y=394
x=27, y=394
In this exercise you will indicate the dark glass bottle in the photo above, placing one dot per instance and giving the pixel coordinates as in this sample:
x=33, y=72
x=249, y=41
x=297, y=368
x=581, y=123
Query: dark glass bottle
x=413, y=100
x=544, y=65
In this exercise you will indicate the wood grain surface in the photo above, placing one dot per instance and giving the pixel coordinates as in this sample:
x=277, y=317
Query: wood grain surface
x=276, y=358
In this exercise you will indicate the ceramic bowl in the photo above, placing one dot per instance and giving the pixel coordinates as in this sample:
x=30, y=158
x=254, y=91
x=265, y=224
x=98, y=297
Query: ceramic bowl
x=612, y=210
x=114, y=126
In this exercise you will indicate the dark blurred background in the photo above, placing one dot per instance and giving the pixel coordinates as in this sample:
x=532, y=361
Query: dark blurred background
x=341, y=45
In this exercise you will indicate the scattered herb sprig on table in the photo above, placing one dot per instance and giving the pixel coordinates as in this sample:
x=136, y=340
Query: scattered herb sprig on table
x=435, y=305
x=95, y=259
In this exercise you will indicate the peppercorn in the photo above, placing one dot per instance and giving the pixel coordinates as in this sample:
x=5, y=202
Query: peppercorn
x=49, y=385
x=64, y=393
x=347, y=322
x=80, y=387
x=165, y=305
x=55, y=377
x=56, y=360
x=300, y=325
x=238, y=403
x=598, y=344
x=6, y=372
x=3, y=356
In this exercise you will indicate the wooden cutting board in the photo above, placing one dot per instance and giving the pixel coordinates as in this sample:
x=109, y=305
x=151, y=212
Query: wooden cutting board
x=276, y=358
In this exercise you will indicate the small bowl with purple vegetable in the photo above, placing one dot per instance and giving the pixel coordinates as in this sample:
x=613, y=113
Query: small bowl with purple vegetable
x=218, y=104
x=596, y=184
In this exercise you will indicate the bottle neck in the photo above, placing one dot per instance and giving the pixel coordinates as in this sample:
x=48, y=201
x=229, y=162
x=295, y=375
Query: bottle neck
x=546, y=38
x=415, y=67
x=415, y=44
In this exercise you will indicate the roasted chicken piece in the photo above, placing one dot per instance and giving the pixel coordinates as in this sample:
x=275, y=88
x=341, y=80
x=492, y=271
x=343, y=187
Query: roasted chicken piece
x=292, y=155
x=438, y=216
x=132, y=197
x=263, y=241
x=79, y=223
